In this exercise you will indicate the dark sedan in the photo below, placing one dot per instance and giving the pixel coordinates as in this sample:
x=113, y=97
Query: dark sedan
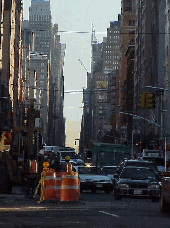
x=138, y=163
x=137, y=181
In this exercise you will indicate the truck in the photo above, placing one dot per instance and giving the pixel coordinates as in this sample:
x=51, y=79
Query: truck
x=17, y=147
x=155, y=156
x=74, y=157
x=107, y=154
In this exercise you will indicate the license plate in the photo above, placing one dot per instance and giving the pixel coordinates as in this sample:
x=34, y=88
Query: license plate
x=138, y=192
x=99, y=185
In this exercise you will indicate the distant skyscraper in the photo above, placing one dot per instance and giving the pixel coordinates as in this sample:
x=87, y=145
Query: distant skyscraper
x=40, y=23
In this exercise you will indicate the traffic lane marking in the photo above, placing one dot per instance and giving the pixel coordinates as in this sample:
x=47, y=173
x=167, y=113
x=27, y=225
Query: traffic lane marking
x=104, y=212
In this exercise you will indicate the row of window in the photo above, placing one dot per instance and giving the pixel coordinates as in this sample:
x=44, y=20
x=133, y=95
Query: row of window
x=115, y=47
x=102, y=97
x=40, y=18
x=114, y=52
x=114, y=41
x=115, y=31
x=102, y=77
x=114, y=37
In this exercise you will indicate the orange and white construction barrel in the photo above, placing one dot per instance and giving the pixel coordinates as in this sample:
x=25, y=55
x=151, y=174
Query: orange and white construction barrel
x=70, y=188
x=49, y=184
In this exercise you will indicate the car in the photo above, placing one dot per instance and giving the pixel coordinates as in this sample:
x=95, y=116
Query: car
x=165, y=192
x=93, y=178
x=74, y=157
x=139, y=163
x=137, y=181
x=109, y=171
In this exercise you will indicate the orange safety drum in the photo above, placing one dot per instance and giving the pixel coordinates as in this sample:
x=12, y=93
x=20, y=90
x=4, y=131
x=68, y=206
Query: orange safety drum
x=70, y=188
x=49, y=185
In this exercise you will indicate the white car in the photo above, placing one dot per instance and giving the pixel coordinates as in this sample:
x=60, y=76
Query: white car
x=93, y=178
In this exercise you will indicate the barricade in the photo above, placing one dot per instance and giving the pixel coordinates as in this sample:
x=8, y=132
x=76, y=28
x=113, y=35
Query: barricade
x=33, y=166
x=50, y=185
x=58, y=185
x=70, y=188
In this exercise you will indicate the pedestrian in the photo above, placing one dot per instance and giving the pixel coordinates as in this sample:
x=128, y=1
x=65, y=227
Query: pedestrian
x=67, y=166
x=31, y=182
x=55, y=162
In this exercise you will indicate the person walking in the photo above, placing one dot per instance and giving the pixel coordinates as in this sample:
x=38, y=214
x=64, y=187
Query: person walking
x=32, y=176
x=67, y=166
x=55, y=162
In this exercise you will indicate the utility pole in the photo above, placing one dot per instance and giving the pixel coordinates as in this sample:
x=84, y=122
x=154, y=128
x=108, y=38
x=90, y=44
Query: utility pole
x=161, y=120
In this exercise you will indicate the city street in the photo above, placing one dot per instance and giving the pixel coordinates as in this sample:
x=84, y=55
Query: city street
x=92, y=210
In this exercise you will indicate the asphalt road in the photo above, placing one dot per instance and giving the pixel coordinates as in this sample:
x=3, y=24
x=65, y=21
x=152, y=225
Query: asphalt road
x=92, y=210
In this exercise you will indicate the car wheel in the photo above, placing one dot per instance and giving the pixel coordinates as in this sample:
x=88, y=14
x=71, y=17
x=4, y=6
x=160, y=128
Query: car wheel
x=163, y=204
x=107, y=191
x=117, y=196
x=93, y=190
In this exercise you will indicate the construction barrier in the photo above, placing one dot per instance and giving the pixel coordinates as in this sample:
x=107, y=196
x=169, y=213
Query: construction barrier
x=63, y=186
x=58, y=185
x=70, y=187
x=33, y=166
x=49, y=185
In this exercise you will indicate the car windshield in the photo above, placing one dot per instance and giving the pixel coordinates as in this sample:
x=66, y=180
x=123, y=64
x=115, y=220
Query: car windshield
x=141, y=164
x=137, y=174
x=109, y=170
x=90, y=171
x=70, y=154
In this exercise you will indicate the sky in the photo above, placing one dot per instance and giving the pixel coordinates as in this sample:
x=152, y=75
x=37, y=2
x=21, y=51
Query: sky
x=78, y=15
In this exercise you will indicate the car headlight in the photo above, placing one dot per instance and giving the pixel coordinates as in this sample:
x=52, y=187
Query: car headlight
x=123, y=185
x=154, y=186
x=82, y=180
x=108, y=181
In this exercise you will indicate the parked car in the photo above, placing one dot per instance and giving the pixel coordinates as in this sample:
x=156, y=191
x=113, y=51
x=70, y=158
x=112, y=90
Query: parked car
x=137, y=181
x=165, y=191
x=93, y=178
x=109, y=171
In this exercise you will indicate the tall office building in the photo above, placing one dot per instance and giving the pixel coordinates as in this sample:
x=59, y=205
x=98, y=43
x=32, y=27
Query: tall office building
x=127, y=32
x=148, y=61
x=40, y=24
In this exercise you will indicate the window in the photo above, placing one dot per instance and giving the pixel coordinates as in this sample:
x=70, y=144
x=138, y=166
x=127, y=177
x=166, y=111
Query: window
x=130, y=22
x=128, y=5
x=42, y=70
x=41, y=83
x=131, y=31
x=134, y=22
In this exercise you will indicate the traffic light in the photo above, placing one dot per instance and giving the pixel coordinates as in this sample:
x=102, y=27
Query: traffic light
x=142, y=98
x=149, y=100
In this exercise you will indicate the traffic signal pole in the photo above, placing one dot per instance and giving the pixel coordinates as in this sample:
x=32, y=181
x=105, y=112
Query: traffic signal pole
x=161, y=138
